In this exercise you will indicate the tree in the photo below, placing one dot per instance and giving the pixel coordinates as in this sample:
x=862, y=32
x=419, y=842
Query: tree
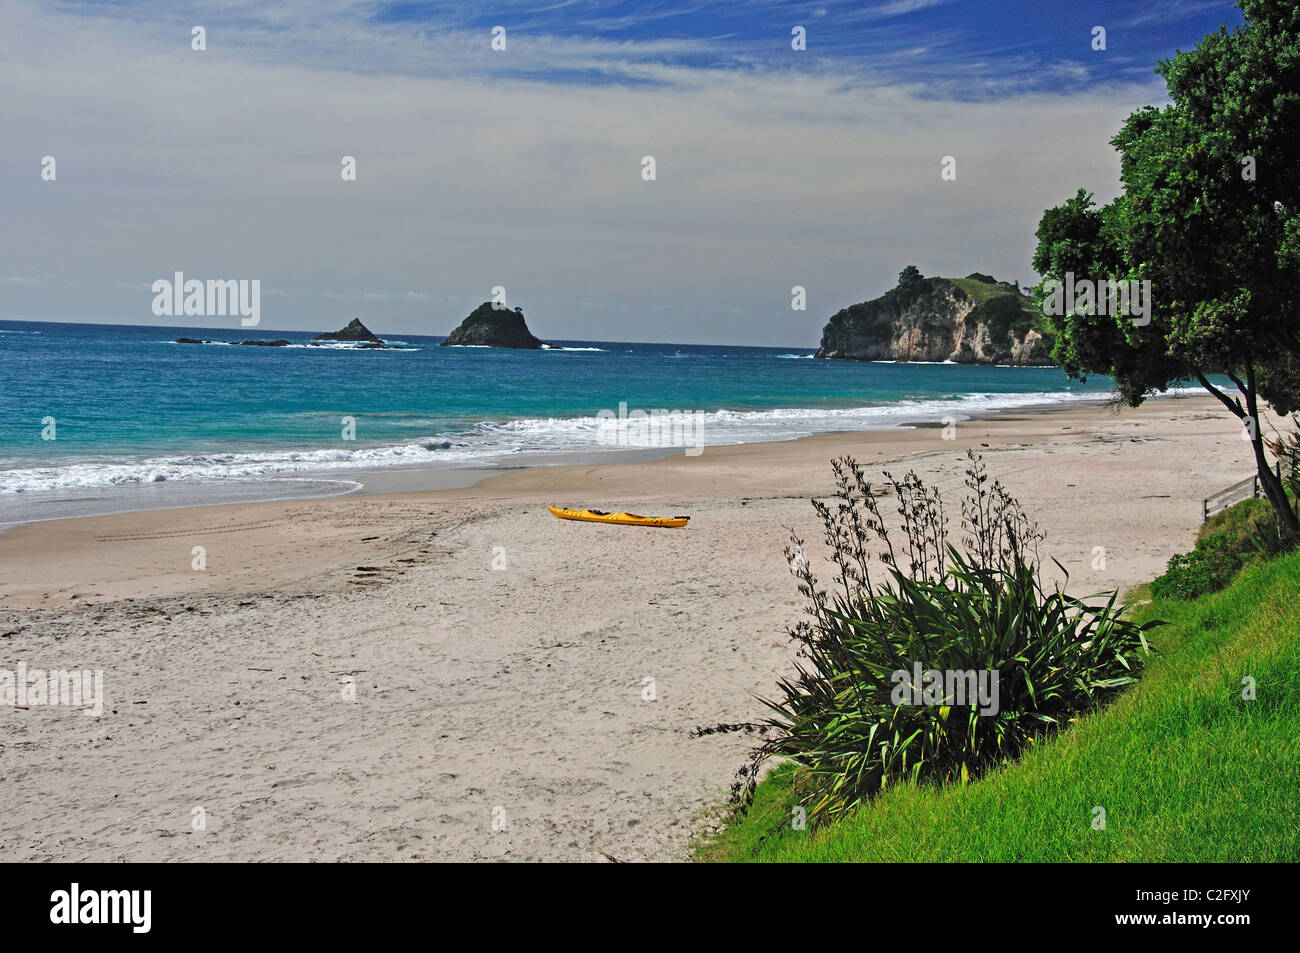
x=1210, y=216
x=909, y=276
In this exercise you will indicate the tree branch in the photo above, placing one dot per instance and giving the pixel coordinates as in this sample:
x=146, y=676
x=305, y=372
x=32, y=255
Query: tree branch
x=1227, y=401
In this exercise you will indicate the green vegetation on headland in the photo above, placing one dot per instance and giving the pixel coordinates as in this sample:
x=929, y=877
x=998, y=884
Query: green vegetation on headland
x=971, y=320
x=1198, y=761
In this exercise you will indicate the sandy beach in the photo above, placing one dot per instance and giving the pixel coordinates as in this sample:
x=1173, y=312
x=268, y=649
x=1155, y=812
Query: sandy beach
x=500, y=660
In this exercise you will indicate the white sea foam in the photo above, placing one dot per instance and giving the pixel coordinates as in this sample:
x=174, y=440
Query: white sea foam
x=946, y=362
x=322, y=345
x=489, y=442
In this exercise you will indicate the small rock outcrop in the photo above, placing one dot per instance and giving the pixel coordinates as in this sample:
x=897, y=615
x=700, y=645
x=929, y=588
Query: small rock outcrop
x=355, y=332
x=366, y=344
x=487, y=326
x=972, y=320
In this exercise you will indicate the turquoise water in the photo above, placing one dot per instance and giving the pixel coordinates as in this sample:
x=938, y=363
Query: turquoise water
x=131, y=408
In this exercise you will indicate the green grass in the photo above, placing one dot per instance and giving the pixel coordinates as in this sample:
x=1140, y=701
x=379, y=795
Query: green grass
x=1238, y=536
x=1242, y=520
x=1184, y=767
x=979, y=291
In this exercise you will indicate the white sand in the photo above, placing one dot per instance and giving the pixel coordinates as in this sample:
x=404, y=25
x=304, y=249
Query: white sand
x=477, y=689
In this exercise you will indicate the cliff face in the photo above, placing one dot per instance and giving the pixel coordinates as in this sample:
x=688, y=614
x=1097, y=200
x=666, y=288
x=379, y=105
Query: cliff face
x=487, y=326
x=973, y=320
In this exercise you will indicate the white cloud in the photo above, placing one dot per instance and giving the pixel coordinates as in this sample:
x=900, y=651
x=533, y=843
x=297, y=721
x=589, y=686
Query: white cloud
x=226, y=163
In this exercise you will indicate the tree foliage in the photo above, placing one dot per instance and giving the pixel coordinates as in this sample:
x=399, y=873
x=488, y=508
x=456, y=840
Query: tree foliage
x=1210, y=215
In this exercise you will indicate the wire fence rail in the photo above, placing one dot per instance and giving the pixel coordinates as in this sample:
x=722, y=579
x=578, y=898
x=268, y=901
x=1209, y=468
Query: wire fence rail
x=1246, y=489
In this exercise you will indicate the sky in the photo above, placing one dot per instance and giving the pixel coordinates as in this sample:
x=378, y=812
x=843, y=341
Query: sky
x=523, y=168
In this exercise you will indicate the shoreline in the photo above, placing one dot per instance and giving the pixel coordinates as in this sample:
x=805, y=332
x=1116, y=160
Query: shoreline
x=51, y=540
x=423, y=477
x=380, y=676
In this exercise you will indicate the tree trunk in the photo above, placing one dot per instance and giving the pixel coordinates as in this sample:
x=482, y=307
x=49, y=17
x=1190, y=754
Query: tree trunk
x=1287, y=521
x=1276, y=493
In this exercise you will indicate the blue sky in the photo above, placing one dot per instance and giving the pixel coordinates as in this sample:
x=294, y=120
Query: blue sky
x=522, y=168
x=960, y=48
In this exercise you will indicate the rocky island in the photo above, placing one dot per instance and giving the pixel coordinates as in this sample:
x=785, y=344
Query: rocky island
x=487, y=326
x=355, y=333
x=971, y=320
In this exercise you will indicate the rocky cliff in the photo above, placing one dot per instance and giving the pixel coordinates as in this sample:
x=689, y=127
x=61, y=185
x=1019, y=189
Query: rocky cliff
x=492, y=327
x=972, y=320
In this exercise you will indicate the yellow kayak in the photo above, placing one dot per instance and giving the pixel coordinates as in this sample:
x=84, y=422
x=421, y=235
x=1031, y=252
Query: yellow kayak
x=625, y=519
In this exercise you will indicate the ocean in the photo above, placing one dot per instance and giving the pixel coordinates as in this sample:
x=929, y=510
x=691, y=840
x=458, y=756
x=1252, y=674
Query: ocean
x=99, y=418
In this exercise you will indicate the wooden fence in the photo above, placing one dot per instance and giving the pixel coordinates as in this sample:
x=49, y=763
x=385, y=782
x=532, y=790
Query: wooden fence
x=1247, y=489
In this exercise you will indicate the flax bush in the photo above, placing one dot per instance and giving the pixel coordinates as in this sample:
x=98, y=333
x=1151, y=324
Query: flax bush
x=981, y=608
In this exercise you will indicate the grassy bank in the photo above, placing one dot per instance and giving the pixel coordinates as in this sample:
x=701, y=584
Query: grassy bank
x=1185, y=769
